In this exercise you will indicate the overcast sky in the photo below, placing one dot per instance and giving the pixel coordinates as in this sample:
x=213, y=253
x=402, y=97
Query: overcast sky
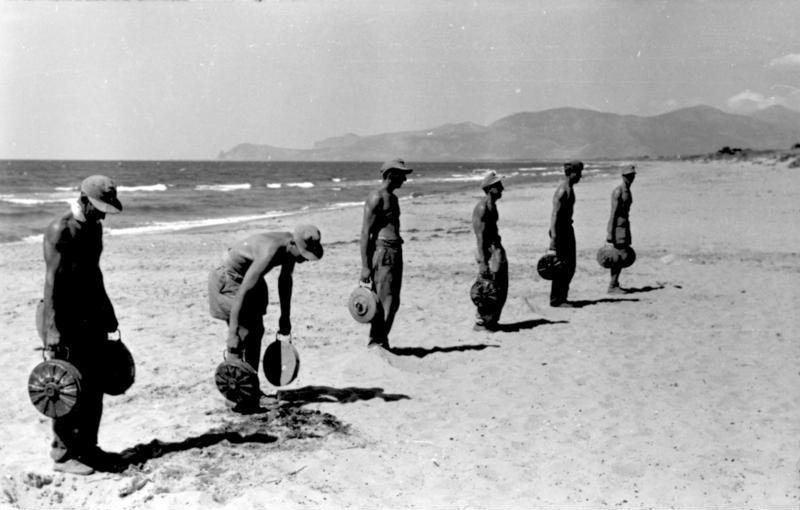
x=152, y=80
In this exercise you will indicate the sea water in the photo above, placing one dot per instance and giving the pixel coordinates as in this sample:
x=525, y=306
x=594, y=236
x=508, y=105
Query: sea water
x=160, y=196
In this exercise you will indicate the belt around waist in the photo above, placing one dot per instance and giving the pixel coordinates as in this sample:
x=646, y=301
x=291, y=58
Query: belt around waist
x=392, y=243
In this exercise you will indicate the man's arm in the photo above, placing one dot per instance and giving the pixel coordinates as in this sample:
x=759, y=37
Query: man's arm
x=371, y=207
x=479, y=225
x=615, y=202
x=54, y=238
x=557, y=199
x=285, y=296
x=255, y=272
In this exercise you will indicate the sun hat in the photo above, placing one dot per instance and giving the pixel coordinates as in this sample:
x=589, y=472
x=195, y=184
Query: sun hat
x=395, y=164
x=102, y=193
x=308, y=241
x=629, y=170
x=490, y=179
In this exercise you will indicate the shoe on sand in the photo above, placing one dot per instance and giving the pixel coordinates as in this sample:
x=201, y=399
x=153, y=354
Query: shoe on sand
x=616, y=289
x=73, y=467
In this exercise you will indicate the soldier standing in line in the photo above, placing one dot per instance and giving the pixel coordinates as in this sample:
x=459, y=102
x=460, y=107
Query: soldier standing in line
x=619, y=228
x=77, y=317
x=382, y=249
x=490, y=254
x=562, y=235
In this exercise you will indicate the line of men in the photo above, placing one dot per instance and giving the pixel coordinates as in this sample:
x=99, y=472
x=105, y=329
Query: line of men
x=77, y=313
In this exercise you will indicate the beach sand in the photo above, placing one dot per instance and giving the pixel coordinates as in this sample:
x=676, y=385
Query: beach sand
x=681, y=394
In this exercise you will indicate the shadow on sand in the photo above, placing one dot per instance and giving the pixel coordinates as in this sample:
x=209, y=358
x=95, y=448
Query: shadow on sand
x=646, y=288
x=327, y=394
x=261, y=424
x=588, y=302
x=513, y=327
x=421, y=352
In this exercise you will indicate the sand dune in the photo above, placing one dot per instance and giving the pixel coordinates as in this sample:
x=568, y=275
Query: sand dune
x=682, y=393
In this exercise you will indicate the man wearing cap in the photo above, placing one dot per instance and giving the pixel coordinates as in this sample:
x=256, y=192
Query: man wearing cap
x=237, y=292
x=381, y=249
x=562, y=235
x=490, y=255
x=619, y=228
x=77, y=315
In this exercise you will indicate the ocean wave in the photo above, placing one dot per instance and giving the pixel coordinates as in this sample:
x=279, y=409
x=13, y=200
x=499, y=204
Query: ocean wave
x=337, y=179
x=39, y=199
x=533, y=168
x=462, y=178
x=300, y=184
x=274, y=185
x=222, y=187
x=151, y=187
x=66, y=188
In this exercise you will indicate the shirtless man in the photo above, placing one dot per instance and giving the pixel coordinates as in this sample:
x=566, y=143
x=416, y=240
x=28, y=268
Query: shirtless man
x=77, y=316
x=562, y=235
x=490, y=255
x=381, y=249
x=237, y=292
x=619, y=228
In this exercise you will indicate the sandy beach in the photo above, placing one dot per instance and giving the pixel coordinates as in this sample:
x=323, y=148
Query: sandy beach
x=682, y=393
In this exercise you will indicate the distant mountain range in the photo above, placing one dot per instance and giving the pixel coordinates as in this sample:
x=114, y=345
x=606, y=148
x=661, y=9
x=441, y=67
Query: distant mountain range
x=559, y=133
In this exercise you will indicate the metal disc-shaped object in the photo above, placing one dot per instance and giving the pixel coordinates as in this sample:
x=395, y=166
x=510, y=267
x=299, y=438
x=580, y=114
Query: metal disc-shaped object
x=550, y=266
x=118, y=370
x=362, y=304
x=483, y=293
x=628, y=257
x=612, y=257
x=237, y=381
x=54, y=387
x=281, y=363
x=607, y=256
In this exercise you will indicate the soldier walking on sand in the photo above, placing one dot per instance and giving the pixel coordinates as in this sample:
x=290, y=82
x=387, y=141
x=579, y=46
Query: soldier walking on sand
x=562, y=235
x=619, y=228
x=382, y=251
x=77, y=316
x=237, y=292
x=490, y=254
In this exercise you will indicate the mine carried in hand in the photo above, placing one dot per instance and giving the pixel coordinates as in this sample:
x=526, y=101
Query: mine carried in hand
x=54, y=387
x=118, y=370
x=281, y=361
x=618, y=258
x=550, y=266
x=363, y=303
x=237, y=381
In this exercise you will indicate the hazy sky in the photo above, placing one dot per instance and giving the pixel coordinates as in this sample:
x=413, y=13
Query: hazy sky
x=153, y=80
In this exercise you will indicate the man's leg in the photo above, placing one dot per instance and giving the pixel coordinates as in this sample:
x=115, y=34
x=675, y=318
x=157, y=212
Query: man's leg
x=75, y=435
x=251, y=335
x=613, y=286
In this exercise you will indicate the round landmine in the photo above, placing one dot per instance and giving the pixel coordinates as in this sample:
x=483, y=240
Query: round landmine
x=483, y=293
x=612, y=257
x=550, y=266
x=281, y=362
x=627, y=257
x=118, y=370
x=54, y=387
x=237, y=381
x=362, y=304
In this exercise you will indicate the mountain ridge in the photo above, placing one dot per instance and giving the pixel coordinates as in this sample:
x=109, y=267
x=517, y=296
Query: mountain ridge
x=555, y=133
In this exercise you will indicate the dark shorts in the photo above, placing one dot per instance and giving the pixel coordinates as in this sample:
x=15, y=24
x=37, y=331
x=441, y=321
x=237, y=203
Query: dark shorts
x=223, y=285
